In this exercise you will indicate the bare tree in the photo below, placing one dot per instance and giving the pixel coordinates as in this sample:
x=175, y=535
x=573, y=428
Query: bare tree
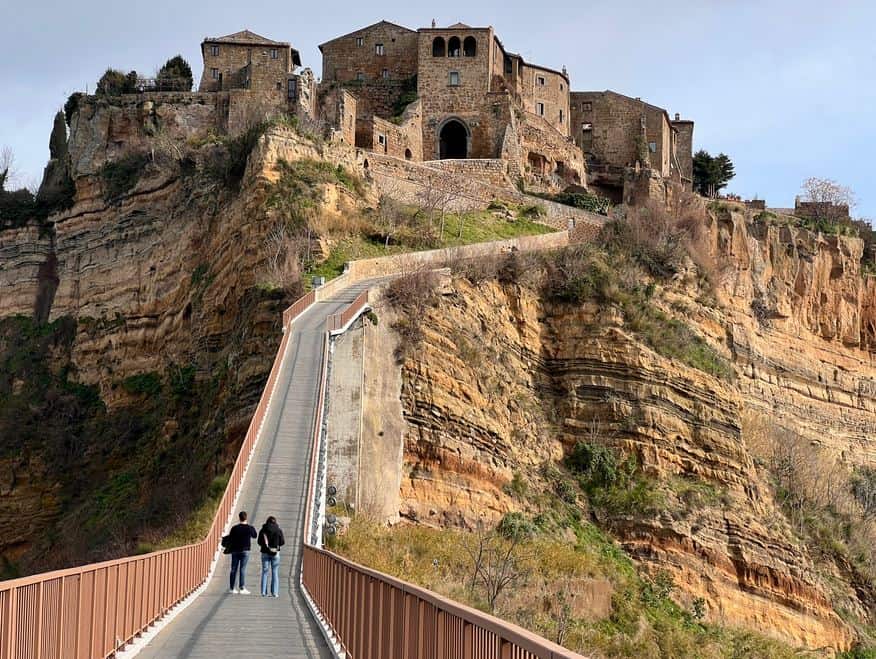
x=497, y=562
x=7, y=166
x=833, y=201
x=433, y=198
x=283, y=256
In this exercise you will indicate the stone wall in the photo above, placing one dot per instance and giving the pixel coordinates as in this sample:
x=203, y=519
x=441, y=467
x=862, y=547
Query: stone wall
x=401, y=140
x=237, y=63
x=684, y=147
x=551, y=160
x=406, y=181
x=344, y=413
x=550, y=89
x=345, y=58
x=337, y=109
x=494, y=171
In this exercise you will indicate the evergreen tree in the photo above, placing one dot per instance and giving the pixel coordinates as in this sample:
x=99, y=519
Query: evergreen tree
x=711, y=173
x=175, y=75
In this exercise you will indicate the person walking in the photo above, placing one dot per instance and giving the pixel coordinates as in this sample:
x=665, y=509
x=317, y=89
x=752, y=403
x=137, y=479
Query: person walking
x=270, y=540
x=240, y=542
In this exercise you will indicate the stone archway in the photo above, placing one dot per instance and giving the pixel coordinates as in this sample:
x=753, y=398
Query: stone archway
x=453, y=140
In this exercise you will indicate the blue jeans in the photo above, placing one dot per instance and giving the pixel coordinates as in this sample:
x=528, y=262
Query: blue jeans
x=271, y=562
x=239, y=559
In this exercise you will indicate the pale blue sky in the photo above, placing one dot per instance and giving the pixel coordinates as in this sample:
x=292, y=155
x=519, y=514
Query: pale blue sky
x=785, y=87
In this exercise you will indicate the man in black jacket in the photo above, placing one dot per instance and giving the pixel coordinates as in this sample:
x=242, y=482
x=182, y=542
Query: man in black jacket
x=240, y=537
x=270, y=540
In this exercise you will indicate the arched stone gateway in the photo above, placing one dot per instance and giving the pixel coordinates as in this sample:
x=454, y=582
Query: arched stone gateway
x=453, y=139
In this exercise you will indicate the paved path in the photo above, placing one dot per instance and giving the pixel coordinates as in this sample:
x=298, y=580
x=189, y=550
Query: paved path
x=221, y=624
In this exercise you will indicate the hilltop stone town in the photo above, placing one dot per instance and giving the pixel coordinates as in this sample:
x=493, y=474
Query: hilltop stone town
x=457, y=94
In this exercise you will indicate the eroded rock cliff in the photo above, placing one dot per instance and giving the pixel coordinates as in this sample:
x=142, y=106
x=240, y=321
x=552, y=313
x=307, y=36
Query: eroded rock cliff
x=506, y=381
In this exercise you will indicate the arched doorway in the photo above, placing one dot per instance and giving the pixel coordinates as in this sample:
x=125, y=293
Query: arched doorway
x=453, y=140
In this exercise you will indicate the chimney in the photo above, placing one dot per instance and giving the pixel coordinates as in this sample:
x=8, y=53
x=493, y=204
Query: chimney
x=677, y=116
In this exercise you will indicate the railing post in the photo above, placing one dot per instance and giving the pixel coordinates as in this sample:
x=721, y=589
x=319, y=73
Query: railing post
x=13, y=614
x=467, y=641
x=61, y=610
x=78, y=617
x=440, y=631
x=39, y=620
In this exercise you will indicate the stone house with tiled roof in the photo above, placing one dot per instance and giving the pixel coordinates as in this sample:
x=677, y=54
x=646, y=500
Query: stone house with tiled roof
x=246, y=60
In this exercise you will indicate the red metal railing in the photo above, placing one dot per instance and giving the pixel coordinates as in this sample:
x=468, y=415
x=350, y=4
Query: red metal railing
x=376, y=616
x=93, y=610
x=338, y=321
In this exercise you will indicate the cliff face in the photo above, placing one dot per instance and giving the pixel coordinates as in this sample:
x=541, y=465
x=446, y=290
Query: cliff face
x=505, y=381
x=173, y=332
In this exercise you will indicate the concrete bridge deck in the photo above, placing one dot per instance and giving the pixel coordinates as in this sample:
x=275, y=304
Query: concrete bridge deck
x=221, y=624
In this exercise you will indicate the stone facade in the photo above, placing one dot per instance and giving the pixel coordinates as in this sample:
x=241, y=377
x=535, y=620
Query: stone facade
x=383, y=51
x=245, y=60
x=475, y=99
x=616, y=132
x=402, y=139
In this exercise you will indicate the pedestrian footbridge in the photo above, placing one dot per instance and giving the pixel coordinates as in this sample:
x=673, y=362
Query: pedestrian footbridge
x=175, y=602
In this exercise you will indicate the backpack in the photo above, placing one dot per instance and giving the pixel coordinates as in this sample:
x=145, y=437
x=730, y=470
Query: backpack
x=226, y=543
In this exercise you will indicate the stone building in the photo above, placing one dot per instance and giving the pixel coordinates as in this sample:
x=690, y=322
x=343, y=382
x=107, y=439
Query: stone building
x=616, y=132
x=455, y=93
x=246, y=60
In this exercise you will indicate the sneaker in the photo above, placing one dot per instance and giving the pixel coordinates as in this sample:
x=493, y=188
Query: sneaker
x=274, y=595
x=231, y=591
x=243, y=591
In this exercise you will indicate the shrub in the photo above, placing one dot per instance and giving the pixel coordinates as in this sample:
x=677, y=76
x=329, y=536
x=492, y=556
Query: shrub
x=864, y=490
x=531, y=211
x=114, y=82
x=410, y=295
x=515, y=526
x=584, y=200
x=594, y=462
x=120, y=175
x=72, y=105
x=143, y=384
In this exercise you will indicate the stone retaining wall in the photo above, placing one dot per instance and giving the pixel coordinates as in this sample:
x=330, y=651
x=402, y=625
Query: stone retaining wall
x=407, y=182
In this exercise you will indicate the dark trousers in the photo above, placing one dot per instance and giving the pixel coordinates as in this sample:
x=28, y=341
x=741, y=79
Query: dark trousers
x=239, y=560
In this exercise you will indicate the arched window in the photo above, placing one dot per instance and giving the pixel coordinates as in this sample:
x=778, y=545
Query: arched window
x=408, y=154
x=438, y=47
x=453, y=47
x=470, y=47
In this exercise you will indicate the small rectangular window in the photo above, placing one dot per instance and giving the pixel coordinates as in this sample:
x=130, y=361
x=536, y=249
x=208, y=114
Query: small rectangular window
x=561, y=87
x=378, y=49
x=539, y=80
x=360, y=76
x=539, y=109
x=586, y=107
x=273, y=53
x=215, y=73
x=561, y=116
x=214, y=50
x=381, y=139
x=360, y=41
x=454, y=78
x=652, y=147
x=385, y=74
